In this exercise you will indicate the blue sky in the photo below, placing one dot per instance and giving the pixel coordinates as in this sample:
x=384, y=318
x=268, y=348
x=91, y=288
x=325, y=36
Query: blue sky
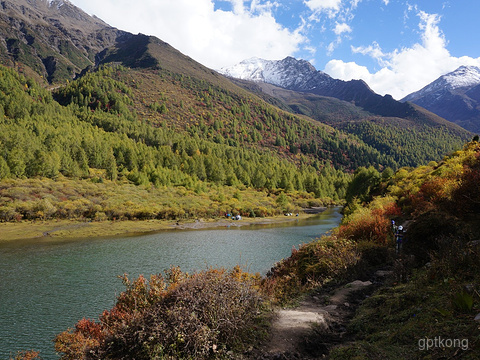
x=396, y=46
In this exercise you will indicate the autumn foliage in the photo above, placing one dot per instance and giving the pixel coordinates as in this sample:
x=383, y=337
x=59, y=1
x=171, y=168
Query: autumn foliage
x=363, y=240
x=178, y=315
x=27, y=355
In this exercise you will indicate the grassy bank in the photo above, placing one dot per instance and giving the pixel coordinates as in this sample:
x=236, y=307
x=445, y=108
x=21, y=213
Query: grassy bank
x=62, y=229
x=33, y=208
x=431, y=316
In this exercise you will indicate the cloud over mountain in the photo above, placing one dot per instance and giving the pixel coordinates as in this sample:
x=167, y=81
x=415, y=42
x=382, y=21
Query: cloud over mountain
x=408, y=68
x=207, y=33
x=396, y=47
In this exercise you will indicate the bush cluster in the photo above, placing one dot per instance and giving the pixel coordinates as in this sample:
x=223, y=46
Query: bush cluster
x=44, y=199
x=177, y=316
x=364, y=240
x=441, y=295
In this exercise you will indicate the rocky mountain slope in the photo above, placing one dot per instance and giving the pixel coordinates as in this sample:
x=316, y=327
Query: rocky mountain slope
x=51, y=38
x=288, y=73
x=454, y=96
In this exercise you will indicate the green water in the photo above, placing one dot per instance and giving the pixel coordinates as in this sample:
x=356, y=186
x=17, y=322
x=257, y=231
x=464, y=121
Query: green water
x=45, y=286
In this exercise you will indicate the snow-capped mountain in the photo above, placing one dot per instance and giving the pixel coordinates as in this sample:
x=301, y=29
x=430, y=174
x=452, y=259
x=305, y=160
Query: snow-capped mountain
x=288, y=73
x=301, y=76
x=454, y=96
x=463, y=77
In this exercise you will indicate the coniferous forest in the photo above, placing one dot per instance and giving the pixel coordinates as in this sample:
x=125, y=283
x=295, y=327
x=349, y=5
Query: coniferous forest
x=87, y=143
x=113, y=143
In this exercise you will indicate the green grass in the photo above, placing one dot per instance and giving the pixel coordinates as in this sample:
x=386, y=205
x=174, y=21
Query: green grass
x=398, y=320
x=81, y=207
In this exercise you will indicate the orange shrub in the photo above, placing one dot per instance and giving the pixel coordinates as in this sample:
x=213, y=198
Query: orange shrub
x=27, y=355
x=312, y=265
x=75, y=343
x=466, y=198
x=371, y=226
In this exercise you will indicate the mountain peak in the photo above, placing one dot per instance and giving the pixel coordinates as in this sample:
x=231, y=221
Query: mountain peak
x=464, y=76
x=287, y=73
x=454, y=96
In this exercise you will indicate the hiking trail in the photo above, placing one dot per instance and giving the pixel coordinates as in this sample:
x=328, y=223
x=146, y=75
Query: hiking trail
x=318, y=323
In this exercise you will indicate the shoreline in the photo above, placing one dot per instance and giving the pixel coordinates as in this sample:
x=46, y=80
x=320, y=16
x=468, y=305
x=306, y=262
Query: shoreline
x=75, y=229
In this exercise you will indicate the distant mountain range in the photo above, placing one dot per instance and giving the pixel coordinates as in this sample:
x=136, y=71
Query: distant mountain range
x=454, y=96
x=301, y=76
x=350, y=106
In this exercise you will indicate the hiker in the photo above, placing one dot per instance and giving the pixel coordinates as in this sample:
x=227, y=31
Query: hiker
x=399, y=235
x=394, y=227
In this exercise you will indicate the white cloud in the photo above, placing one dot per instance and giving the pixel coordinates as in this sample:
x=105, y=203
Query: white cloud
x=342, y=28
x=268, y=6
x=409, y=69
x=373, y=51
x=323, y=5
x=339, y=30
x=213, y=37
x=386, y=2
x=346, y=70
x=331, y=47
x=334, y=9
x=335, y=15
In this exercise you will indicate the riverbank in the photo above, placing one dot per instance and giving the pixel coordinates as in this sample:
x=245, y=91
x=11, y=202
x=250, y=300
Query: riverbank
x=63, y=229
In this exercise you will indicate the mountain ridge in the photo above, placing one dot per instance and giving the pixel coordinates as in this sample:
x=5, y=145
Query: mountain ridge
x=454, y=96
x=352, y=107
x=288, y=73
x=51, y=38
x=301, y=76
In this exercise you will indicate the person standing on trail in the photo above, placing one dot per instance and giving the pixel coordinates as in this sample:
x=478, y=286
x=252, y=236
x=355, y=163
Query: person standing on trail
x=399, y=234
x=394, y=227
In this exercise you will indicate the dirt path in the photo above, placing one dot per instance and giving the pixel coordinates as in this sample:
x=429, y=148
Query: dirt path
x=311, y=329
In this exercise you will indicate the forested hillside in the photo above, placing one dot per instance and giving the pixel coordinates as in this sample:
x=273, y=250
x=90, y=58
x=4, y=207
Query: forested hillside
x=413, y=139
x=157, y=128
x=99, y=137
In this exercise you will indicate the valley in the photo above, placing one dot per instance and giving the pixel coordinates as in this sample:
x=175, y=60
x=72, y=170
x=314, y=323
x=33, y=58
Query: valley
x=106, y=135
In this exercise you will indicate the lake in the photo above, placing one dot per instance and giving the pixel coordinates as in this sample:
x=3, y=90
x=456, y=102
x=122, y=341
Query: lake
x=47, y=285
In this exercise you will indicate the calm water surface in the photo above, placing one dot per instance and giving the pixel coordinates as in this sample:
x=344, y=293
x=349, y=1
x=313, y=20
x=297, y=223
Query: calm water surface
x=46, y=286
